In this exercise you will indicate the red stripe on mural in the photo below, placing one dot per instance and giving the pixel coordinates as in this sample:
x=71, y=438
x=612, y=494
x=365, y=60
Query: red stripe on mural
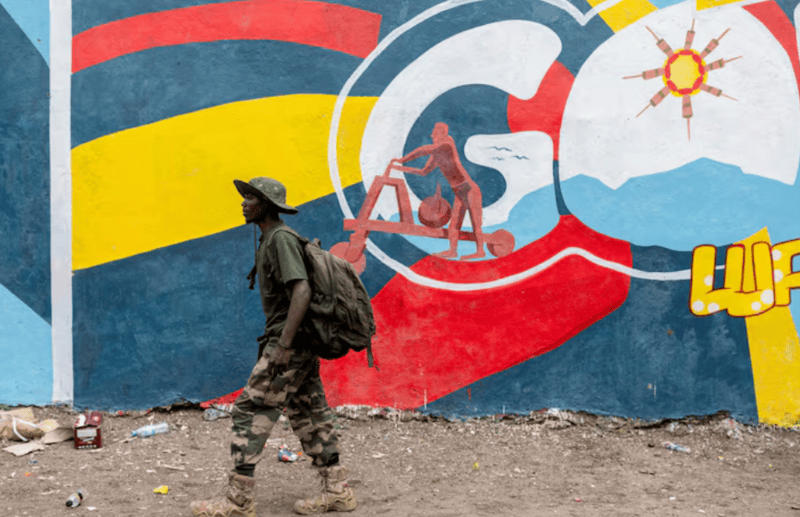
x=319, y=24
x=774, y=19
x=545, y=110
x=432, y=342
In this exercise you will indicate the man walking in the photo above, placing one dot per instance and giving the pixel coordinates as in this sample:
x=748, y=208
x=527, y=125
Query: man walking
x=287, y=372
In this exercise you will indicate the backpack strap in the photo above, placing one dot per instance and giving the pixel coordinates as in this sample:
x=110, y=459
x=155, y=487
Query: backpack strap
x=253, y=272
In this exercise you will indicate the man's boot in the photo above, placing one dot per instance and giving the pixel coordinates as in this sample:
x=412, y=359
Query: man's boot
x=236, y=500
x=336, y=495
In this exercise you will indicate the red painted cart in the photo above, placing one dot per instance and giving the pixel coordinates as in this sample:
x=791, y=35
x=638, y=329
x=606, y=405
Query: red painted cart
x=500, y=243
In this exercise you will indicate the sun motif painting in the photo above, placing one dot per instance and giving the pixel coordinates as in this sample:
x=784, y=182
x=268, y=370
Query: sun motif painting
x=684, y=73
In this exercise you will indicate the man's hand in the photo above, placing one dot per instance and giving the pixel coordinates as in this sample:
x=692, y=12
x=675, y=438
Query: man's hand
x=280, y=356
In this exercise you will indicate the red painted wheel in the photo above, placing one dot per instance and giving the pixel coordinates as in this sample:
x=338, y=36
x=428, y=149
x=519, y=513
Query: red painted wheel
x=500, y=243
x=340, y=249
x=434, y=211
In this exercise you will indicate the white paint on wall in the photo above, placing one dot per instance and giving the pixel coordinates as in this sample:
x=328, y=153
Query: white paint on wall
x=601, y=136
x=525, y=160
x=61, y=198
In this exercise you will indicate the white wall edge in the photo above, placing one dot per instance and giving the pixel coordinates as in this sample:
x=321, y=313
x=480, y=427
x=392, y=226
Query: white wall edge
x=61, y=198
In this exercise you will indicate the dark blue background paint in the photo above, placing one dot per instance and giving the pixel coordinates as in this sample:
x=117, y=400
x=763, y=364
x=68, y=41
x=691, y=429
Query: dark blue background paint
x=24, y=169
x=466, y=110
x=701, y=367
x=179, y=322
x=562, y=206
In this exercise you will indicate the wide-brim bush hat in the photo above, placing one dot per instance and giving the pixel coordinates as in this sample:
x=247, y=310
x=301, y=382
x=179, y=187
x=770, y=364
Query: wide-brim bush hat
x=268, y=189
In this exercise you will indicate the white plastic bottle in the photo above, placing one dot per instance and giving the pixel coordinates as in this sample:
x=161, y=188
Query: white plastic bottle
x=75, y=499
x=150, y=430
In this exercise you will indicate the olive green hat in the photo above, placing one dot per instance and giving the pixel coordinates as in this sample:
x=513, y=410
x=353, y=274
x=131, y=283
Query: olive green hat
x=267, y=189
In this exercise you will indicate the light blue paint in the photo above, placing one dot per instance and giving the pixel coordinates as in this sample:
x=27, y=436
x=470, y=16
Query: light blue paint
x=703, y=202
x=33, y=17
x=665, y=3
x=533, y=217
x=25, y=345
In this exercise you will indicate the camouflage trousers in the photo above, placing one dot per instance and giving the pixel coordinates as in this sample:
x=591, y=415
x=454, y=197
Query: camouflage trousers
x=271, y=388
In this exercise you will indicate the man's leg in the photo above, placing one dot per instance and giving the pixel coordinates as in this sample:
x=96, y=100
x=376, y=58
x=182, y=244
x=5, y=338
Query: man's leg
x=252, y=425
x=453, y=229
x=255, y=412
x=312, y=421
x=475, y=201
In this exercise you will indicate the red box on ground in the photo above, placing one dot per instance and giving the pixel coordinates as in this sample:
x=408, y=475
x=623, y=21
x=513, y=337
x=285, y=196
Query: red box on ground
x=87, y=432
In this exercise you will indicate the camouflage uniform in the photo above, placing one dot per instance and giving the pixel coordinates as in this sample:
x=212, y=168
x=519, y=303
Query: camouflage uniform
x=296, y=386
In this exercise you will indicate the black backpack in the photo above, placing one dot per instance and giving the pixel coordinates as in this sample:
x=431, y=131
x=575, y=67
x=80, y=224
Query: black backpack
x=339, y=317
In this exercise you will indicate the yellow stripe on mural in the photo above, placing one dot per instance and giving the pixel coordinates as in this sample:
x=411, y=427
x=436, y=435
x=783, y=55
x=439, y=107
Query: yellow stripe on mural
x=708, y=4
x=774, y=354
x=172, y=181
x=624, y=13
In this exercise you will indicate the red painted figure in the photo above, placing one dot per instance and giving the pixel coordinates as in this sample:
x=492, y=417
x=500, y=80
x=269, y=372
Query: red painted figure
x=444, y=155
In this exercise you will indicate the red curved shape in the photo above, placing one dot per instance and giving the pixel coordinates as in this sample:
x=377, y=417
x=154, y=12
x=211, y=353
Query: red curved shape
x=432, y=342
x=320, y=24
x=775, y=20
x=544, y=111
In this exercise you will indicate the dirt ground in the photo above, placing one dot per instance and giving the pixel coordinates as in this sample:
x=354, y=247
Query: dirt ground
x=408, y=464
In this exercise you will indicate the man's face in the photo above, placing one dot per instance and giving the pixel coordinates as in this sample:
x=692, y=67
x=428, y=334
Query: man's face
x=253, y=209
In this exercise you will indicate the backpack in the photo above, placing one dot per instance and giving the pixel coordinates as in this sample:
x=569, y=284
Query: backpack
x=339, y=316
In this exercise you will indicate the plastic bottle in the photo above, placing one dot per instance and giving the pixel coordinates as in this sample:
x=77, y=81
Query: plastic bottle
x=75, y=499
x=150, y=430
x=675, y=447
x=287, y=456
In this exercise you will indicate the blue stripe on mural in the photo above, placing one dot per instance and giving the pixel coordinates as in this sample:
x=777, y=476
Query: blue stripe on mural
x=693, y=366
x=180, y=322
x=159, y=83
x=701, y=202
x=33, y=17
x=24, y=169
x=25, y=339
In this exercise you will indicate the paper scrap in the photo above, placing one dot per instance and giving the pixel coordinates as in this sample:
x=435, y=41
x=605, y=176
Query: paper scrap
x=59, y=434
x=24, y=448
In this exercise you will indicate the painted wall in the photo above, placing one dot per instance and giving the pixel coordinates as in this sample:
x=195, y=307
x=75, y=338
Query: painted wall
x=26, y=374
x=632, y=165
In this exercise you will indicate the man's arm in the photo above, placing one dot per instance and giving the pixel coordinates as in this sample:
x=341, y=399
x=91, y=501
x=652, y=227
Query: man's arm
x=420, y=151
x=300, y=298
x=416, y=153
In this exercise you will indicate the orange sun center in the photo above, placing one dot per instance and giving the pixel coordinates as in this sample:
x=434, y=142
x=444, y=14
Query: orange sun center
x=684, y=72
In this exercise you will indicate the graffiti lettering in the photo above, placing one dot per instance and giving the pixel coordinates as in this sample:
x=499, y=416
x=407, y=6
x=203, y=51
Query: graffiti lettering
x=756, y=279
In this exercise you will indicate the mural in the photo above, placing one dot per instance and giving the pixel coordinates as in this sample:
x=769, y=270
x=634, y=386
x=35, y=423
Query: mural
x=25, y=309
x=584, y=205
